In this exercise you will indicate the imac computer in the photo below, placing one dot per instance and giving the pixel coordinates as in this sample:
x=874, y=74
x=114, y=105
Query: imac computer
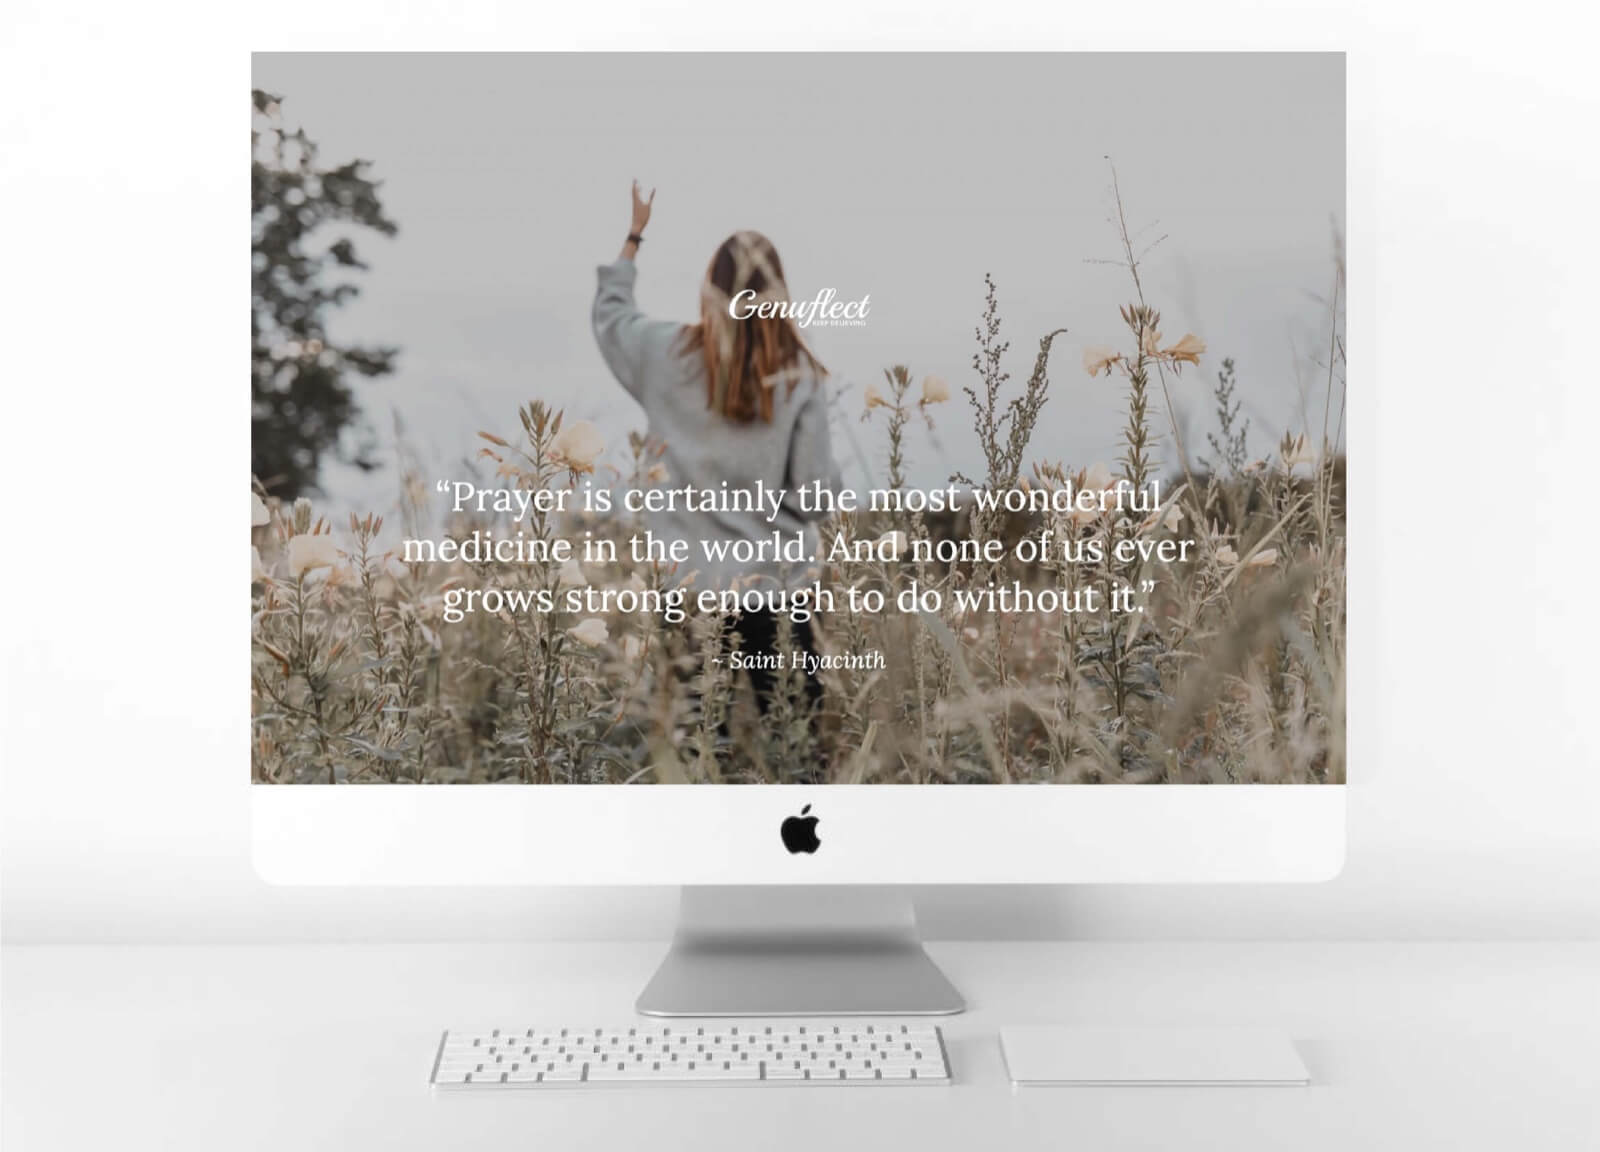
x=797, y=478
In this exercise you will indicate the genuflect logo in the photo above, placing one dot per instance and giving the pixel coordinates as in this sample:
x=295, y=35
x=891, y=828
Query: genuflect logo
x=825, y=310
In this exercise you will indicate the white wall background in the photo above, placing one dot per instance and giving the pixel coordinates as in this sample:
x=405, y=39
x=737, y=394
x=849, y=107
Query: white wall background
x=1475, y=796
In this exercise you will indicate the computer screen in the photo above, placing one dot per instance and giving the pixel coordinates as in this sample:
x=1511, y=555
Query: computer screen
x=829, y=419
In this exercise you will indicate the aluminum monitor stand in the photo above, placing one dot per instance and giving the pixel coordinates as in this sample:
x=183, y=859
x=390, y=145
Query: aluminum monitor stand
x=795, y=951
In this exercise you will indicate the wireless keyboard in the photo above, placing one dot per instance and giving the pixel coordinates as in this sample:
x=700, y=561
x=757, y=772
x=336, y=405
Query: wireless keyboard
x=750, y=1052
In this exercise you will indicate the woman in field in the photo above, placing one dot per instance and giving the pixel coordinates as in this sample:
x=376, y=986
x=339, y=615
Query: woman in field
x=737, y=400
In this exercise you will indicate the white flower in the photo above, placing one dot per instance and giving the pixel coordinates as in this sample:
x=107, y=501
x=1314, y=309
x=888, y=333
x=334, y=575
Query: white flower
x=258, y=512
x=1263, y=557
x=1150, y=345
x=1171, y=517
x=1097, y=476
x=934, y=390
x=895, y=540
x=875, y=398
x=1227, y=556
x=571, y=575
x=578, y=445
x=1297, y=452
x=1097, y=480
x=1188, y=350
x=632, y=648
x=591, y=633
x=1097, y=358
x=308, y=552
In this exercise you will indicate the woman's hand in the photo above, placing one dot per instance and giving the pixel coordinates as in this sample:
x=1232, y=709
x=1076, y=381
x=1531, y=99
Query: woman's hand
x=641, y=217
x=641, y=210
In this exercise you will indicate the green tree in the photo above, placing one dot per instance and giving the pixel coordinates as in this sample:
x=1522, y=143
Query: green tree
x=302, y=263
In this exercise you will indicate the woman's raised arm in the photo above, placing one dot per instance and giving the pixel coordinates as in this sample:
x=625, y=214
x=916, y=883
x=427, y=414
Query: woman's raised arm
x=620, y=329
x=641, y=217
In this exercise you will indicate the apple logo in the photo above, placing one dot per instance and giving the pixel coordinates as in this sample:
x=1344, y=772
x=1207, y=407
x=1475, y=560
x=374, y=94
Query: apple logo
x=800, y=832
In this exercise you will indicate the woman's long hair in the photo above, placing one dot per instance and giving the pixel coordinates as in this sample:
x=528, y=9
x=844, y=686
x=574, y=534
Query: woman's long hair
x=747, y=358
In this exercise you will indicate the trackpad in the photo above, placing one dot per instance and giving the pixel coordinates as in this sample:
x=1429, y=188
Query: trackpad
x=1063, y=1055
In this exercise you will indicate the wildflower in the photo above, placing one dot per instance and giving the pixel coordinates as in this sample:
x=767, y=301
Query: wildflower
x=309, y=552
x=632, y=648
x=1262, y=558
x=578, y=446
x=257, y=572
x=896, y=542
x=1186, y=351
x=1226, y=556
x=934, y=390
x=302, y=515
x=1297, y=452
x=1097, y=359
x=656, y=475
x=1095, y=478
x=571, y=575
x=1150, y=342
x=591, y=633
x=1171, y=517
x=258, y=512
x=875, y=398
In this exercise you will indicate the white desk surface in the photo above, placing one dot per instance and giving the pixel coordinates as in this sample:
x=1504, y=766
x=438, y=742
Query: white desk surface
x=1411, y=1046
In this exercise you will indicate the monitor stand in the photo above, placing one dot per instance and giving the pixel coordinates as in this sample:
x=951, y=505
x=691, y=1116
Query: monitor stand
x=791, y=951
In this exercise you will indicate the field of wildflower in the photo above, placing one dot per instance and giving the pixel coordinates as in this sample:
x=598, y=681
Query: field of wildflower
x=1231, y=671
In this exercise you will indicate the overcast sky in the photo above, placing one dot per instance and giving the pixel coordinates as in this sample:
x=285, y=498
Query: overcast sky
x=903, y=177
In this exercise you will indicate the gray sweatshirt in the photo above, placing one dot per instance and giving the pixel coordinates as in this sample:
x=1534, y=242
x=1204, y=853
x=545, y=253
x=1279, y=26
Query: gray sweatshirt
x=705, y=449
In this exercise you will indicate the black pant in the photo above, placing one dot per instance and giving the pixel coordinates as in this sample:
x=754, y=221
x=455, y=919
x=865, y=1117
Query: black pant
x=759, y=634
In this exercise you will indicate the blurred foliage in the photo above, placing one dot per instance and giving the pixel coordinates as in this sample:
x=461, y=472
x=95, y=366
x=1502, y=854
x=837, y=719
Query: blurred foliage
x=303, y=258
